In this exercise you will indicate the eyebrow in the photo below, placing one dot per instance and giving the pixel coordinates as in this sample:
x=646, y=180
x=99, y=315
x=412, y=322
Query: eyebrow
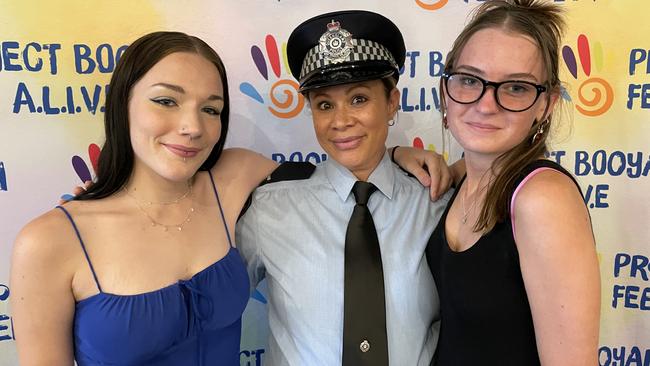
x=180, y=90
x=360, y=85
x=519, y=75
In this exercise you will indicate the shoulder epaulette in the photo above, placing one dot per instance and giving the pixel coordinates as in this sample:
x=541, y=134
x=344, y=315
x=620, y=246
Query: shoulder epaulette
x=286, y=171
x=290, y=170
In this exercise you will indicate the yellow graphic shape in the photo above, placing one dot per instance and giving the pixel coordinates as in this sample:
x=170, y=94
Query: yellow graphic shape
x=445, y=154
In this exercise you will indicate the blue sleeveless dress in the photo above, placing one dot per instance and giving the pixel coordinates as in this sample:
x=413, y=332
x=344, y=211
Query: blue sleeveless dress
x=191, y=322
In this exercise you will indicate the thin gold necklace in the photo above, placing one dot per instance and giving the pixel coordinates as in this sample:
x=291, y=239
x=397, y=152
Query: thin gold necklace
x=150, y=203
x=154, y=222
x=466, y=213
x=463, y=219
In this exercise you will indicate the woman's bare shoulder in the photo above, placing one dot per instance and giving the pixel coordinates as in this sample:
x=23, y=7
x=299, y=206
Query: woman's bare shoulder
x=44, y=242
x=549, y=189
x=52, y=235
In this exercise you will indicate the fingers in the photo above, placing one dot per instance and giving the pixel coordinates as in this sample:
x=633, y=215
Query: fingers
x=420, y=174
x=444, y=182
x=413, y=161
x=433, y=164
x=441, y=177
x=79, y=190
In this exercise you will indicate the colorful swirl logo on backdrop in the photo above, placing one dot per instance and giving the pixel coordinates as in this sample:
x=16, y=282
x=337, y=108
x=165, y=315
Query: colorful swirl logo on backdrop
x=595, y=94
x=81, y=167
x=429, y=5
x=283, y=97
x=3, y=177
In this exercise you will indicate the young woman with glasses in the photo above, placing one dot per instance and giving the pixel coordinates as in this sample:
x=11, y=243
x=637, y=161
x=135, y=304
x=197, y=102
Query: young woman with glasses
x=513, y=256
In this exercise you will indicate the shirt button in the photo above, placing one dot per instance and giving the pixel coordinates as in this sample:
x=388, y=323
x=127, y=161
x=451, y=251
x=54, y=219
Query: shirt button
x=364, y=346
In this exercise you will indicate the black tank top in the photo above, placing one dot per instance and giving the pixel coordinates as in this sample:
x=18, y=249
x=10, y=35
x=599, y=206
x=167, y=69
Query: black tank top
x=486, y=317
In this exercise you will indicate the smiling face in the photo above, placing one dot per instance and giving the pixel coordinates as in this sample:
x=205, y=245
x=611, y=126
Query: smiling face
x=351, y=123
x=483, y=127
x=174, y=116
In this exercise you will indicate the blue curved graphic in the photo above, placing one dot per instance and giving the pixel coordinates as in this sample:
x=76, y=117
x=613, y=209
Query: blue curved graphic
x=4, y=292
x=3, y=177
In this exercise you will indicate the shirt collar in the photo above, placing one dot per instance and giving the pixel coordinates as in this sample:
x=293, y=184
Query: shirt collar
x=342, y=180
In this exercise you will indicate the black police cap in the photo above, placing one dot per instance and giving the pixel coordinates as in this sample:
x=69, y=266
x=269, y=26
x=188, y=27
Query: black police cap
x=345, y=47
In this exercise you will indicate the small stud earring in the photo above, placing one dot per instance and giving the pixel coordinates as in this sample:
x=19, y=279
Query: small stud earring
x=394, y=120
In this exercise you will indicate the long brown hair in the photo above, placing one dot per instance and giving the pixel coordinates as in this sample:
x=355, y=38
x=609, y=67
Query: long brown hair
x=116, y=158
x=541, y=21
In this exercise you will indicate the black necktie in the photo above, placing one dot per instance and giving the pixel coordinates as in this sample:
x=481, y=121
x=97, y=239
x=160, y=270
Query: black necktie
x=364, y=319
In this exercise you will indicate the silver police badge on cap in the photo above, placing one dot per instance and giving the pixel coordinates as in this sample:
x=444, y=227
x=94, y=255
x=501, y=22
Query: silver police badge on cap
x=335, y=44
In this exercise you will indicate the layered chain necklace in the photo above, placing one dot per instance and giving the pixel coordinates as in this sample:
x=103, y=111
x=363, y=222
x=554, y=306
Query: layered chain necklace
x=179, y=227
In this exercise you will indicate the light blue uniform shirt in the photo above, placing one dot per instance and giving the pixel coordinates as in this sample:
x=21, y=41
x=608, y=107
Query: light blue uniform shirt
x=293, y=235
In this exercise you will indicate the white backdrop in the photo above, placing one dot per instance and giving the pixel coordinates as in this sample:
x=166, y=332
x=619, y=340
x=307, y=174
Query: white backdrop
x=56, y=58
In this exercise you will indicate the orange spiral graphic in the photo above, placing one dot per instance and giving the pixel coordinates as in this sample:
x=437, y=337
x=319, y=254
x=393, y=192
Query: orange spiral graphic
x=286, y=108
x=598, y=103
x=435, y=6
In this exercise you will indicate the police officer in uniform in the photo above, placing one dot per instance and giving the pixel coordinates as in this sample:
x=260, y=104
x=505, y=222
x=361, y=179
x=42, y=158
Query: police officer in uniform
x=343, y=249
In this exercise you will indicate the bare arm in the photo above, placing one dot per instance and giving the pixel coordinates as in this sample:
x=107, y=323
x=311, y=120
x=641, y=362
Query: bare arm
x=246, y=168
x=560, y=269
x=41, y=296
x=239, y=172
x=438, y=176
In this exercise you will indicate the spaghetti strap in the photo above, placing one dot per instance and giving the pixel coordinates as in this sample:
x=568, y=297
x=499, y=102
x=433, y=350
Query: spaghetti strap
x=223, y=217
x=83, y=247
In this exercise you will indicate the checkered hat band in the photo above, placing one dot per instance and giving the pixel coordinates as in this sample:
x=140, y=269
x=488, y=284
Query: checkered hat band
x=362, y=50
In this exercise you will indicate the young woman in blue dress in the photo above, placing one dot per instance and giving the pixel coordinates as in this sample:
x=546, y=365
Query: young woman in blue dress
x=141, y=268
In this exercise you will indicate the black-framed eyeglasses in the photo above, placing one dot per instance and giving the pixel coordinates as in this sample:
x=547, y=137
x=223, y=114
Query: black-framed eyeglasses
x=511, y=95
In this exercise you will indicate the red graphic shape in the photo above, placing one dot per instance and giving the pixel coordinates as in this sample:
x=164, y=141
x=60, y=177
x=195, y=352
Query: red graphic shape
x=93, y=153
x=583, y=52
x=272, y=52
x=417, y=143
